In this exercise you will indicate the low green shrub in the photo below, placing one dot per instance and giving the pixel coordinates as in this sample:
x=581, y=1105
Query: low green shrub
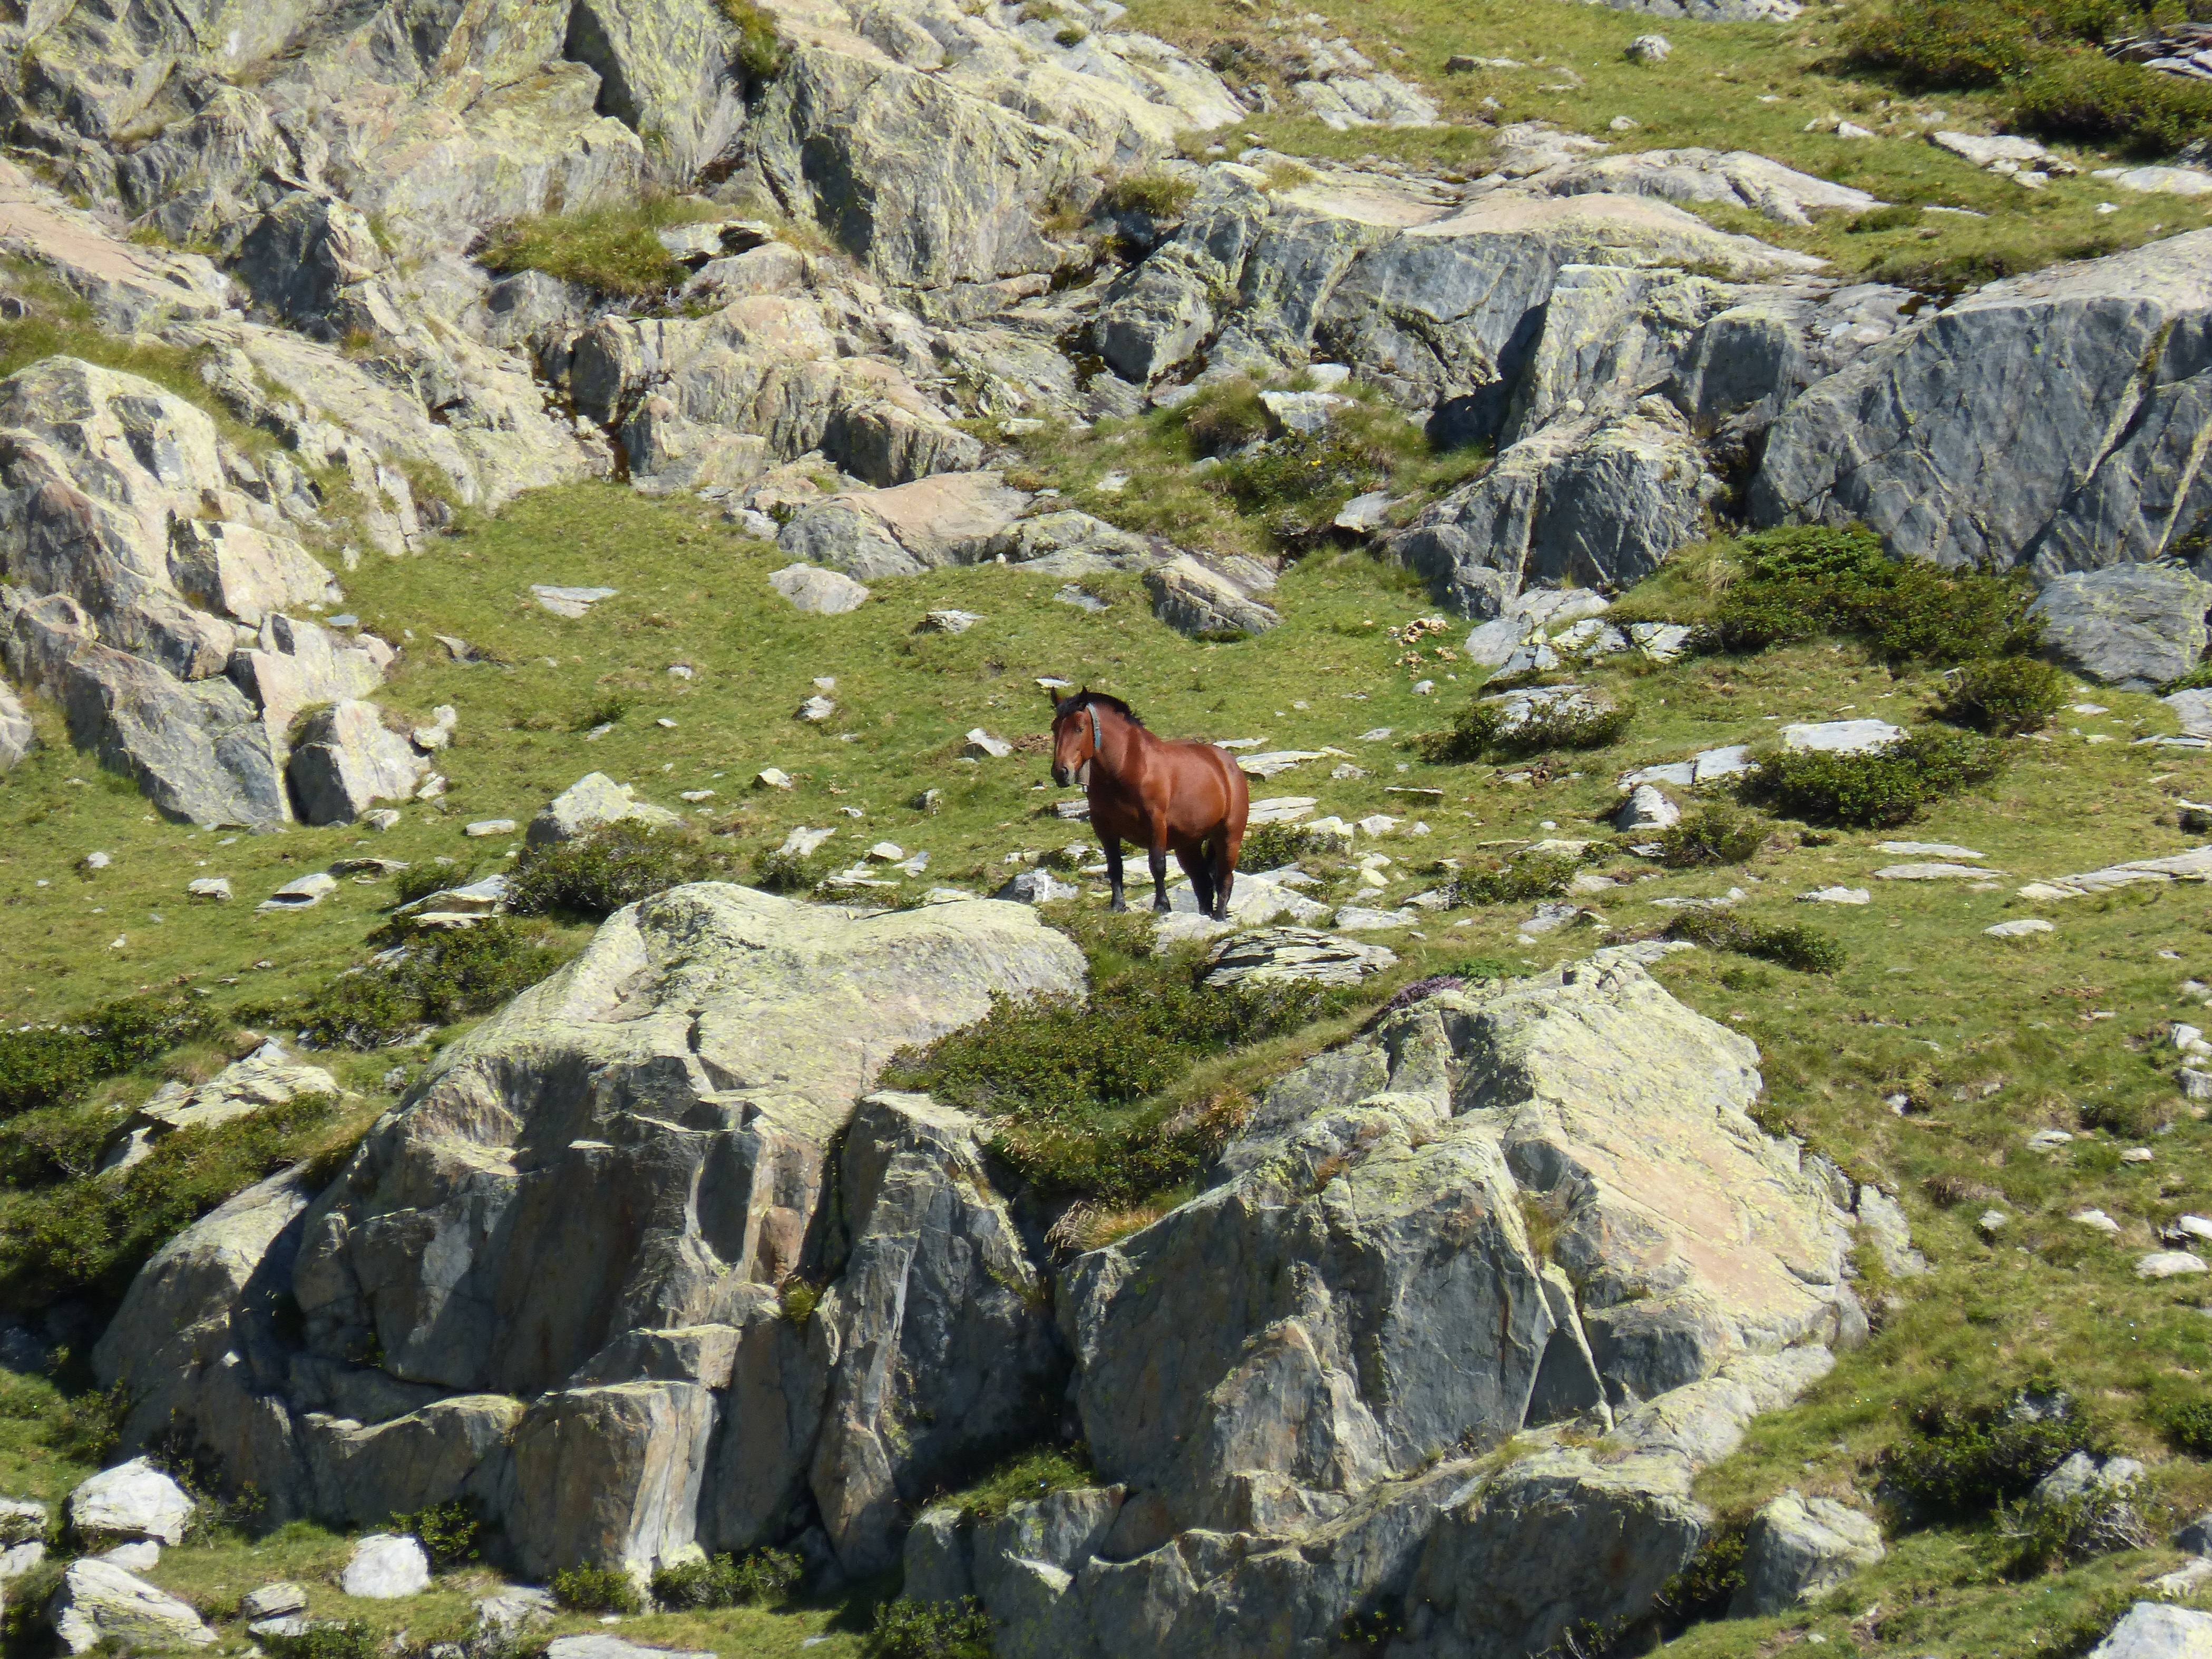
x=1959, y=1459
x=1064, y=1078
x=1480, y=731
x=418, y=881
x=776, y=871
x=44, y=1067
x=596, y=1589
x=451, y=1533
x=434, y=979
x=931, y=1630
x=1808, y=581
x=759, y=1579
x=2044, y=63
x=1880, y=789
x=611, y=250
x=1704, y=1589
x=1225, y=417
x=595, y=875
x=1022, y=1479
x=94, y=1234
x=2188, y=1424
x=1792, y=944
x=1530, y=876
x=2006, y=697
x=327, y=1638
x=2048, y=1535
x=1161, y=195
x=761, y=51
x=1713, y=834
x=1272, y=846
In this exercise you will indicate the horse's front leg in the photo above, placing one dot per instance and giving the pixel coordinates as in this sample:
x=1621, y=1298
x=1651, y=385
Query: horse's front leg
x=1114, y=870
x=1157, y=856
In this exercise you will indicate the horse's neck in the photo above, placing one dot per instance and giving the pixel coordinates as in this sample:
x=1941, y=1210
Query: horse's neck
x=1128, y=739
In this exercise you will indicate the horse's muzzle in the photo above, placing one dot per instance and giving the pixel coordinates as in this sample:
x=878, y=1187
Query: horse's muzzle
x=1061, y=775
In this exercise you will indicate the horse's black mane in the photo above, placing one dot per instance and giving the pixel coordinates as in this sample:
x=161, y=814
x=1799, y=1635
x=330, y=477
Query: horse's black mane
x=1085, y=699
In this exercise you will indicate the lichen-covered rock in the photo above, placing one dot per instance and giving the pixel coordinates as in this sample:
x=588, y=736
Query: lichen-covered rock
x=1203, y=603
x=346, y=760
x=2044, y=420
x=1337, y=1348
x=940, y=1325
x=99, y=1605
x=1798, y=1547
x=592, y=803
x=2134, y=626
x=1590, y=502
x=817, y=592
x=132, y=1500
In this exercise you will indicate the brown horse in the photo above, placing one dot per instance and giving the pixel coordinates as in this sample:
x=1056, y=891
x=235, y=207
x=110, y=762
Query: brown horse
x=1162, y=795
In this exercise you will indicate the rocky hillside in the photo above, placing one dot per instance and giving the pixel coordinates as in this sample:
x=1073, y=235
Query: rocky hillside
x=567, y=1067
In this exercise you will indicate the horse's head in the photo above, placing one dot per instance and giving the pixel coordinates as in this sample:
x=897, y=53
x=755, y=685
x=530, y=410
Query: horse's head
x=1075, y=740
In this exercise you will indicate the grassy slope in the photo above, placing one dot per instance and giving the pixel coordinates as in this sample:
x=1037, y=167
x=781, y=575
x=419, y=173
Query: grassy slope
x=1708, y=92
x=1926, y=1003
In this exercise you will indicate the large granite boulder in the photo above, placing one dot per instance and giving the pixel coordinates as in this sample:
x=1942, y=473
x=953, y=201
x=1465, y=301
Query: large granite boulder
x=345, y=759
x=2134, y=626
x=1799, y=1547
x=99, y=1606
x=1503, y=1214
x=550, y=1283
x=2047, y=419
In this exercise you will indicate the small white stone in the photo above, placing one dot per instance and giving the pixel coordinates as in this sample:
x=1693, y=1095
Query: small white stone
x=385, y=1567
x=2022, y=928
x=2169, y=1264
x=486, y=827
x=769, y=777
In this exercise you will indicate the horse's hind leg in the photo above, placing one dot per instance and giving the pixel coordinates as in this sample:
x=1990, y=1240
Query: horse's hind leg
x=1195, y=865
x=1159, y=859
x=1114, y=870
x=1223, y=861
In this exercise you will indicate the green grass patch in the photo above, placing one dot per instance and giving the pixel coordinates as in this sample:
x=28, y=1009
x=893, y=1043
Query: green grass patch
x=435, y=978
x=611, y=250
x=1485, y=731
x=762, y=50
x=46, y=1068
x=1792, y=944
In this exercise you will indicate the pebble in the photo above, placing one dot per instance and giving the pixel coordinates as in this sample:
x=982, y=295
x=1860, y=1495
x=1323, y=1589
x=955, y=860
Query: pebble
x=695, y=796
x=209, y=887
x=97, y=860
x=886, y=852
x=2136, y=1155
x=483, y=827
x=1992, y=1221
x=2049, y=1140
x=1836, y=895
x=771, y=777
x=2098, y=1219
x=2169, y=1264
x=816, y=709
x=2020, y=929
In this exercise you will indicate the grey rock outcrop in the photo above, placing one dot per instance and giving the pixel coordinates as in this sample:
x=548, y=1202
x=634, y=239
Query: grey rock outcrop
x=2040, y=422
x=345, y=759
x=132, y=1500
x=99, y=1605
x=1293, y=955
x=594, y=802
x=1799, y=1547
x=2134, y=626
x=547, y=1282
x=2153, y=1630
x=1195, y=600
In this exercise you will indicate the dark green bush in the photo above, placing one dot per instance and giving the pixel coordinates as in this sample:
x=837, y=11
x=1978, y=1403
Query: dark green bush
x=1161, y=195
x=1704, y=1589
x=778, y=872
x=94, y=1234
x=46, y=1068
x=596, y=1589
x=1792, y=944
x=931, y=1630
x=1479, y=733
x=327, y=1638
x=1530, y=876
x=438, y=978
x=1272, y=846
x=2044, y=60
x=761, y=51
x=1809, y=581
x=1960, y=1460
x=1063, y=1077
x=2007, y=697
x=760, y=1577
x=450, y=1534
x=1712, y=835
x=1880, y=789
x=2188, y=1424
x=594, y=876
x=419, y=881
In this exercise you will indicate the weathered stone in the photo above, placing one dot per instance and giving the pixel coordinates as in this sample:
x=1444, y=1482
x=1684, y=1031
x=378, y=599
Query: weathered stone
x=1194, y=600
x=2131, y=626
x=940, y=1324
x=1646, y=808
x=2040, y=421
x=817, y=592
x=2153, y=1630
x=1289, y=956
x=99, y=1605
x=1736, y=179
x=385, y=1566
x=610, y=1475
x=346, y=760
x=132, y=1500
x=592, y=802
x=273, y=1600
x=267, y=1077
x=1798, y=1548
x=17, y=733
